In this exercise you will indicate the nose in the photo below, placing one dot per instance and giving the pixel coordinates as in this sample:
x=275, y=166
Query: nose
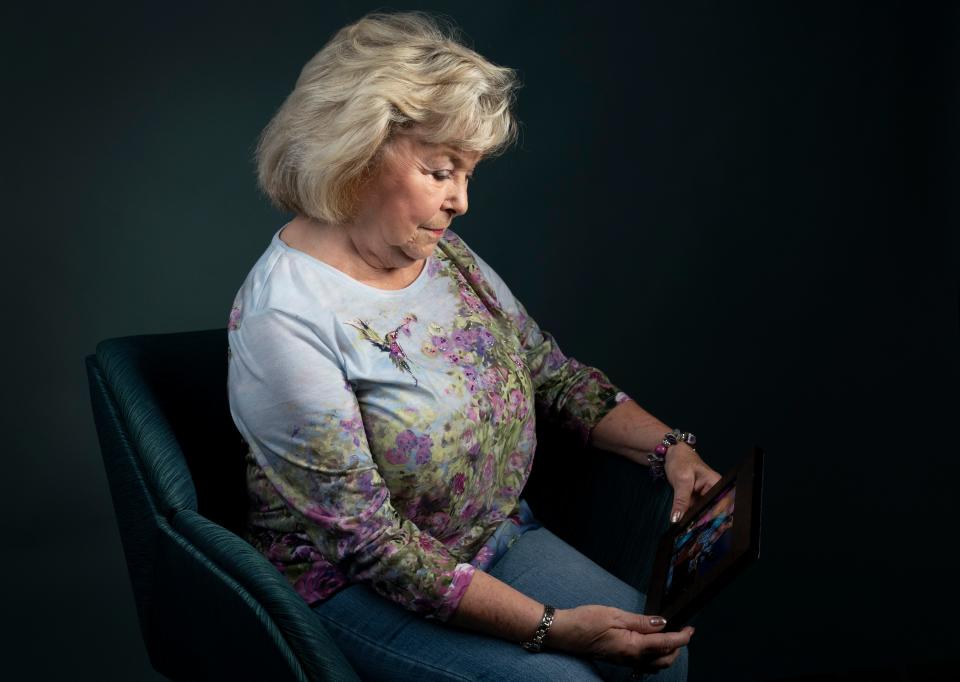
x=456, y=202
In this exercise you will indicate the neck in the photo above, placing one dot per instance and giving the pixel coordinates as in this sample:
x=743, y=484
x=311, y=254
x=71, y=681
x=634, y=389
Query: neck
x=341, y=248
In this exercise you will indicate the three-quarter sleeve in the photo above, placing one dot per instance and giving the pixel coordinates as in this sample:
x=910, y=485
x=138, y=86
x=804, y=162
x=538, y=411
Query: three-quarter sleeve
x=292, y=401
x=569, y=394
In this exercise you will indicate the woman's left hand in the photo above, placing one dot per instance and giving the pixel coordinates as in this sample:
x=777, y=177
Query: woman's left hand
x=690, y=477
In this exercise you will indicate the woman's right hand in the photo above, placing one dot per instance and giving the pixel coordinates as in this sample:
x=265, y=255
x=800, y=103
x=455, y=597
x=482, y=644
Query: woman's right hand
x=615, y=635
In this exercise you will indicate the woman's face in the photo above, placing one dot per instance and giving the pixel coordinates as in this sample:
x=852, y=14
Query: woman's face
x=418, y=186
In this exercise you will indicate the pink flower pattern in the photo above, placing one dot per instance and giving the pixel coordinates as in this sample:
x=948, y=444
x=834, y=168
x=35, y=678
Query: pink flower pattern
x=445, y=483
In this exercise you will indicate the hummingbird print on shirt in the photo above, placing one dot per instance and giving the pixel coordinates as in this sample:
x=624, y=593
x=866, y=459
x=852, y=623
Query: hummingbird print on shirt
x=388, y=343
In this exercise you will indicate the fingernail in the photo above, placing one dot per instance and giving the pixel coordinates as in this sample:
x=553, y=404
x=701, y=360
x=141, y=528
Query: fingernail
x=675, y=517
x=658, y=621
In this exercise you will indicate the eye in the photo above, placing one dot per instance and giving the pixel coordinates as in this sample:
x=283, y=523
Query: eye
x=445, y=175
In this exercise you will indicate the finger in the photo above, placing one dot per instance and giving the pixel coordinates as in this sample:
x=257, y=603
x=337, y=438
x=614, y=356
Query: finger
x=681, y=498
x=665, y=661
x=705, y=484
x=663, y=643
x=645, y=624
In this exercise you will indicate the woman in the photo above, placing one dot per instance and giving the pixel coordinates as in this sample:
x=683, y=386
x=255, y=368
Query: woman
x=385, y=379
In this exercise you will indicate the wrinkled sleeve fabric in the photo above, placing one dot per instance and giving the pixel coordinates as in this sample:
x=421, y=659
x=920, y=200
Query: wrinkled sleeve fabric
x=294, y=401
x=573, y=396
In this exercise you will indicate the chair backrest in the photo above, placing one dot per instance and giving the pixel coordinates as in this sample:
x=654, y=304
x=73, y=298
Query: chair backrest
x=209, y=604
x=176, y=384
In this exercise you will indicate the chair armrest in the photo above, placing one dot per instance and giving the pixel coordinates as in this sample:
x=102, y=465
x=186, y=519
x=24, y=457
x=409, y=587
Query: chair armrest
x=301, y=628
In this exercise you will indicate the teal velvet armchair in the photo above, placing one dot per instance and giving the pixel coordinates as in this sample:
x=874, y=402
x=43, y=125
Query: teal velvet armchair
x=209, y=605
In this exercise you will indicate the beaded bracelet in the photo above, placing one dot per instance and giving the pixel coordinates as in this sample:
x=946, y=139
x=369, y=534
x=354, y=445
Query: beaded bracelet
x=659, y=454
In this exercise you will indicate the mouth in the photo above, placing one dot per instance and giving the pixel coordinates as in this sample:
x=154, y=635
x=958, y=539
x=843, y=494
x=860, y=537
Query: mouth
x=430, y=229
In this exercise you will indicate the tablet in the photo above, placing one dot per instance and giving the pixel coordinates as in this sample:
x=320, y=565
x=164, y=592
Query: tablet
x=714, y=541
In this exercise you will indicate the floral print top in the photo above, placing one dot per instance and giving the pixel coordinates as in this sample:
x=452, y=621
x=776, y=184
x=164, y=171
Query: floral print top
x=390, y=432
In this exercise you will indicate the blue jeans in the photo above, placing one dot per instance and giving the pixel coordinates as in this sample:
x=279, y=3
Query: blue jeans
x=384, y=641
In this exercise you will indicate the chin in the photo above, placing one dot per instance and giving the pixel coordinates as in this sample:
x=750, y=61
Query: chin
x=419, y=250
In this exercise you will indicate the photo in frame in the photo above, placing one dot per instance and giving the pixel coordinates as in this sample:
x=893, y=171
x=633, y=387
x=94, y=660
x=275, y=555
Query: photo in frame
x=714, y=541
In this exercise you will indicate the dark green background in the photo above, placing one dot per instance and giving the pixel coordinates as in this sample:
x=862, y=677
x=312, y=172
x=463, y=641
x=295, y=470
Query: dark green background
x=745, y=213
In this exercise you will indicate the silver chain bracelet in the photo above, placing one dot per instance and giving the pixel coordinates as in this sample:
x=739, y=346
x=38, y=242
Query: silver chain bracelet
x=534, y=645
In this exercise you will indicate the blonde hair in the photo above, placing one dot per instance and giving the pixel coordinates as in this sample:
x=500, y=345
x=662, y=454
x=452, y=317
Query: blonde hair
x=385, y=74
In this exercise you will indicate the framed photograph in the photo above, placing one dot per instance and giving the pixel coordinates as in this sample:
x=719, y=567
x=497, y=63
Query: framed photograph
x=713, y=542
